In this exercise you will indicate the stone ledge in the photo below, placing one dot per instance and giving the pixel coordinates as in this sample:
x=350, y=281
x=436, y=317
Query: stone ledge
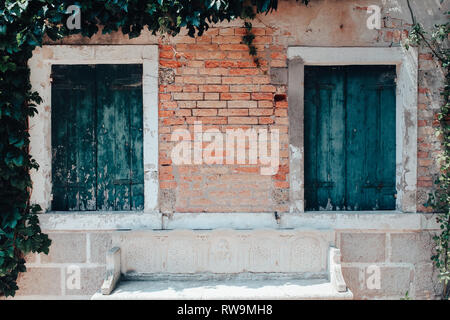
x=388, y=221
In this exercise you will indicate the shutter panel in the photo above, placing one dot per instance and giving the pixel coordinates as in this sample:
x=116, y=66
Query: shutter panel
x=73, y=138
x=324, y=138
x=371, y=133
x=350, y=135
x=97, y=137
x=120, y=148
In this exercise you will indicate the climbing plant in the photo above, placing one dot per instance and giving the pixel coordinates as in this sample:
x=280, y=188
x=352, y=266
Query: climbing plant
x=23, y=25
x=436, y=42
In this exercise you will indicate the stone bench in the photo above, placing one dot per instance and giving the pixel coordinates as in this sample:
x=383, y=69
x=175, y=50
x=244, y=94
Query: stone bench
x=223, y=264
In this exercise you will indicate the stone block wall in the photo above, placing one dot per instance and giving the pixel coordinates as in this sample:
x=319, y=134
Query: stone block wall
x=401, y=258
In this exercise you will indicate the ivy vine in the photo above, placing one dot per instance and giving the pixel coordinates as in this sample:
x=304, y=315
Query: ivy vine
x=439, y=200
x=23, y=25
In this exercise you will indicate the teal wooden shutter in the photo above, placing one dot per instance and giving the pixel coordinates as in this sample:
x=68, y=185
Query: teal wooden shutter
x=120, y=150
x=350, y=138
x=97, y=136
x=324, y=138
x=73, y=138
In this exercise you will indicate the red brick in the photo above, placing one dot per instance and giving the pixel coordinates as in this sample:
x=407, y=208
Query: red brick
x=243, y=72
x=211, y=104
x=170, y=63
x=262, y=96
x=278, y=56
x=195, y=64
x=187, y=104
x=168, y=104
x=173, y=121
x=183, y=113
x=235, y=96
x=281, y=104
x=213, y=71
x=213, y=88
x=243, y=120
x=165, y=96
x=261, y=112
x=268, y=88
x=261, y=80
x=241, y=104
x=211, y=96
x=190, y=80
x=164, y=114
x=174, y=88
x=281, y=184
x=166, y=54
x=278, y=63
x=188, y=96
x=233, y=47
x=248, y=64
x=247, y=169
x=204, y=112
x=200, y=55
x=233, y=112
x=244, y=88
x=213, y=120
x=424, y=183
x=281, y=113
x=226, y=31
x=219, y=63
x=203, y=39
x=262, y=40
x=237, y=80
x=190, y=88
x=265, y=120
x=227, y=39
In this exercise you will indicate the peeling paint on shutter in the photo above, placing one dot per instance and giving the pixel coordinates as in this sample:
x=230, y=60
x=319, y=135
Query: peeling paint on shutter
x=97, y=159
x=350, y=134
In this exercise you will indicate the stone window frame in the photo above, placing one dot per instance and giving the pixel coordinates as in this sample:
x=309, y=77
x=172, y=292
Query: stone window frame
x=40, y=125
x=406, y=62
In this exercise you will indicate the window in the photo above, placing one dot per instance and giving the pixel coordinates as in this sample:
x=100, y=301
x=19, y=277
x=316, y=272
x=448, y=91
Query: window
x=350, y=138
x=97, y=137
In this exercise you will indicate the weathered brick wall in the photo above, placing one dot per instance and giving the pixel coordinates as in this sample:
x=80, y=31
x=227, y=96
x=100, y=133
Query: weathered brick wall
x=428, y=145
x=214, y=80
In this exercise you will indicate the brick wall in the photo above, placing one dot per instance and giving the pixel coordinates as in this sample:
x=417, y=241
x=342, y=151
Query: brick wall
x=214, y=80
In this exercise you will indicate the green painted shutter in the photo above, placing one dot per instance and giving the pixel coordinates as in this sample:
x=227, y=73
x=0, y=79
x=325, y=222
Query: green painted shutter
x=350, y=135
x=97, y=137
x=73, y=137
x=120, y=150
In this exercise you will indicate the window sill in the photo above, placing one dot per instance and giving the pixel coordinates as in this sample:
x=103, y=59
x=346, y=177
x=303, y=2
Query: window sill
x=343, y=220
